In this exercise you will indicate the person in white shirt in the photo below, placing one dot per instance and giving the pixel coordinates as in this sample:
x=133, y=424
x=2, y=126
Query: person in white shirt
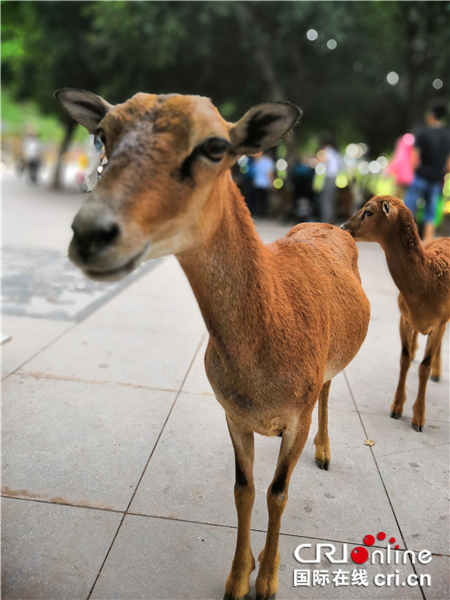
x=32, y=149
x=328, y=195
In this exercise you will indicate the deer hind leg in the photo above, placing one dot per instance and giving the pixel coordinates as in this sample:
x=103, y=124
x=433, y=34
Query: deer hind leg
x=407, y=337
x=414, y=344
x=292, y=444
x=322, y=441
x=238, y=582
x=433, y=345
x=436, y=365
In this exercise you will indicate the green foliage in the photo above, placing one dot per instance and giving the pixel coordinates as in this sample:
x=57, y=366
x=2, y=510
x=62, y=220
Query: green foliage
x=239, y=54
x=17, y=116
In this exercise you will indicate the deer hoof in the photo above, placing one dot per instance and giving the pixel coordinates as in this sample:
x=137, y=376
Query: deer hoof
x=228, y=597
x=435, y=378
x=323, y=464
x=259, y=597
x=416, y=427
x=395, y=415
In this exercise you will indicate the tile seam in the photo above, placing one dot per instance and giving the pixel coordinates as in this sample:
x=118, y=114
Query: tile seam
x=145, y=467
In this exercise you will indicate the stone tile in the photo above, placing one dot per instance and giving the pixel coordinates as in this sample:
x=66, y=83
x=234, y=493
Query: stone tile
x=45, y=284
x=78, y=443
x=167, y=281
x=392, y=436
x=340, y=397
x=375, y=277
x=197, y=382
x=438, y=569
x=164, y=559
x=153, y=359
x=28, y=337
x=417, y=482
x=161, y=300
x=168, y=312
x=52, y=552
x=373, y=375
x=36, y=216
x=191, y=477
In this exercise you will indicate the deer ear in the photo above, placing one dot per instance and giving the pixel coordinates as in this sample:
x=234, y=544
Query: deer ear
x=86, y=108
x=263, y=126
x=386, y=208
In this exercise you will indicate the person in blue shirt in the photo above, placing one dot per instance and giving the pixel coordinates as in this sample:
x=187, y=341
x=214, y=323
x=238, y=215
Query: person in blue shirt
x=263, y=175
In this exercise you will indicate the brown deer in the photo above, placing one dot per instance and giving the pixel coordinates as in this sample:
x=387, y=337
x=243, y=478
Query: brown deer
x=283, y=319
x=422, y=274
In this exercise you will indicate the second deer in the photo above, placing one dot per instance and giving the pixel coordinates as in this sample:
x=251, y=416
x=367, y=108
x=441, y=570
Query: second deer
x=422, y=274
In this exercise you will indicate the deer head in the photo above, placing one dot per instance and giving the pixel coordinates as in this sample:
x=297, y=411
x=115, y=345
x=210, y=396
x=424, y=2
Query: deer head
x=167, y=155
x=374, y=219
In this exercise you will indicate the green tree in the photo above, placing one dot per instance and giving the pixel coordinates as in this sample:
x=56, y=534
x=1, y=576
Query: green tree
x=44, y=48
x=239, y=54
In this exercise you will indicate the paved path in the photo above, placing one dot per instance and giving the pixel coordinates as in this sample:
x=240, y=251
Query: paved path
x=118, y=470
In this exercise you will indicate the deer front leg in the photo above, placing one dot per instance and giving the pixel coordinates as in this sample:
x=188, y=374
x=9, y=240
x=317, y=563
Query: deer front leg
x=433, y=346
x=436, y=365
x=238, y=582
x=293, y=442
x=406, y=336
x=322, y=441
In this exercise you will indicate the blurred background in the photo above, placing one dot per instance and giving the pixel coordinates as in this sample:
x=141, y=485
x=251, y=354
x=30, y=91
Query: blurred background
x=364, y=74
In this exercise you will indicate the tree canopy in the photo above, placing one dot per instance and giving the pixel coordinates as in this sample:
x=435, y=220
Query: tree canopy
x=240, y=54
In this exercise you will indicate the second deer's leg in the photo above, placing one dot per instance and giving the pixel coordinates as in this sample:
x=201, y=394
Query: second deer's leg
x=292, y=444
x=436, y=365
x=414, y=344
x=406, y=336
x=433, y=345
x=238, y=582
x=322, y=441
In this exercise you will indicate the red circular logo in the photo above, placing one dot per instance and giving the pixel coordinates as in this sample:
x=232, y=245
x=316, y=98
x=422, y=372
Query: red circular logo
x=359, y=555
x=369, y=540
x=381, y=535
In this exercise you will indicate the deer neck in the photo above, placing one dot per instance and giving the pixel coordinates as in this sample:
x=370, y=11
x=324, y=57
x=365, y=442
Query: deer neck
x=405, y=256
x=230, y=277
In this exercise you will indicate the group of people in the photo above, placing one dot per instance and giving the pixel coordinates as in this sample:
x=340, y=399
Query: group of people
x=307, y=204
x=418, y=166
x=420, y=163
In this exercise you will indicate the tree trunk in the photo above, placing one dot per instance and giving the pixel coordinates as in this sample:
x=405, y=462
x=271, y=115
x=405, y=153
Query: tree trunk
x=261, y=56
x=70, y=128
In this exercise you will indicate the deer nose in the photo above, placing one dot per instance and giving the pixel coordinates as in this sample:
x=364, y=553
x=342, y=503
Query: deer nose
x=94, y=229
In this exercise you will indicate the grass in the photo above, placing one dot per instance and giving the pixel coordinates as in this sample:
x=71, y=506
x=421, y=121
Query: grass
x=16, y=116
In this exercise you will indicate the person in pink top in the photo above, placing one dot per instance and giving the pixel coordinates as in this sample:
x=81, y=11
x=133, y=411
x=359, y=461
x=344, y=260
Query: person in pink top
x=400, y=166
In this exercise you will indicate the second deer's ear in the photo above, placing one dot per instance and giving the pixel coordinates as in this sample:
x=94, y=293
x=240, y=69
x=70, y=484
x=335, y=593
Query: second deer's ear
x=263, y=126
x=85, y=108
x=386, y=208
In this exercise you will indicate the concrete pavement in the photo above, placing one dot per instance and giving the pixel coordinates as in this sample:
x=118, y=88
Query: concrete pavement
x=118, y=470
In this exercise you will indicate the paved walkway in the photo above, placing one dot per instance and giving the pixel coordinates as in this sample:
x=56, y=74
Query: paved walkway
x=118, y=470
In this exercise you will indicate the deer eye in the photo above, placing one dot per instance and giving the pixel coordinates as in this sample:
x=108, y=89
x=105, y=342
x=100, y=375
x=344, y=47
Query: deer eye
x=367, y=213
x=214, y=149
